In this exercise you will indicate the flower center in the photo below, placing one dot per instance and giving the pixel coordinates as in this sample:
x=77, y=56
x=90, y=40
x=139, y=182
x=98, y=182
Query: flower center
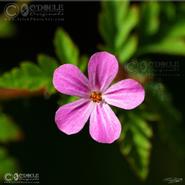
x=96, y=96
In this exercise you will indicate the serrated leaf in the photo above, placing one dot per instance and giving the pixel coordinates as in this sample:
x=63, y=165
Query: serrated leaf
x=8, y=130
x=29, y=71
x=47, y=65
x=135, y=143
x=30, y=76
x=8, y=164
x=66, y=50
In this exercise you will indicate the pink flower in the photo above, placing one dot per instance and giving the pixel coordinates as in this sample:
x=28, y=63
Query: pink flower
x=95, y=97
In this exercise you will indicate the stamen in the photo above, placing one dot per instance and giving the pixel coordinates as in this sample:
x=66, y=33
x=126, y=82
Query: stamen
x=96, y=96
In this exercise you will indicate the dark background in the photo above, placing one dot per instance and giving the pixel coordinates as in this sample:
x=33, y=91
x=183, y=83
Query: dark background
x=77, y=159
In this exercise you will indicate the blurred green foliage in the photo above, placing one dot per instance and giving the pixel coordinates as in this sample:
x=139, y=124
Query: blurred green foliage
x=67, y=51
x=8, y=164
x=129, y=30
x=116, y=23
x=9, y=132
x=63, y=42
x=7, y=28
x=7, y=25
x=159, y=102
x=161, y=28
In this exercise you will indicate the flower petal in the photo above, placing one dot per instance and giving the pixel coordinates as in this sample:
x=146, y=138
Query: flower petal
x=126, y=94
x=69, y=80
x=104, y=125
x=102, y=69
x=72, y=117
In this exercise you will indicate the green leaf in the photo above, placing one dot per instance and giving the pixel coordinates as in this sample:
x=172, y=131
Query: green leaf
x=167, y=46
x=177, y=30
x=147, y=114
x=8, y=130
x=117, y=20
x=105, y=31
x=161, y=29
x=66, y=50
x=47, y=65
x=126, y=26
x=30, y=76
x=170, y=120
x=135, y=143
x=8, y=164
x=149, y=20
x=7, y=28
x=128, y=50
x=168, y=12
x=111, y=21
x=83, y=63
